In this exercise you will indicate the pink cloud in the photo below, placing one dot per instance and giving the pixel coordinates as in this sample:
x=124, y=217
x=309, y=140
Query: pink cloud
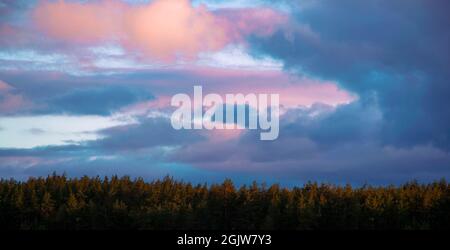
x=186, y=31
x=9, y=101
x=222, y=135
x=161, y=103
x=22, y=161
x=78, y=22
x=259, y=21
x=6, y=33
x=4, y=86
x=161, y=29
x=294, y=91
x=28, y=161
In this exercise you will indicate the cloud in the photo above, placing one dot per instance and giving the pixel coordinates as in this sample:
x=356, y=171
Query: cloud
x=260, y=21
x=365, y=85
x=78, y=22
x=44, y=130
x=10, y=100
x=319, y=148
x=395, y=52
x=148, y=28
x=4, y=86
x=96, y=100
x=151, y=90
x=150, y=132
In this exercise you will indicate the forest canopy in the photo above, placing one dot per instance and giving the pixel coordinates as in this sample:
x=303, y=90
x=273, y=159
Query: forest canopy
x=59, y=202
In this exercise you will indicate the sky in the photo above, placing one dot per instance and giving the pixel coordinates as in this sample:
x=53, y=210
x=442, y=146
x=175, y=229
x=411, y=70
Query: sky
x=85, y=89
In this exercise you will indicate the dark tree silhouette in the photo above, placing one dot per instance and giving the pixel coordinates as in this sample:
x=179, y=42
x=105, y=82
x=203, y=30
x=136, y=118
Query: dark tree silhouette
x=57, y=202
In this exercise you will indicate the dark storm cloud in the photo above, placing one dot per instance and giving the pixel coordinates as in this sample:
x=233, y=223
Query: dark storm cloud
x=396, y=51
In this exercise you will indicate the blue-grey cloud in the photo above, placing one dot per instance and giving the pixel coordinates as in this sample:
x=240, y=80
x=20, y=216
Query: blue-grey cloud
x=150, y=132
x=394, y=52
x=98, y=101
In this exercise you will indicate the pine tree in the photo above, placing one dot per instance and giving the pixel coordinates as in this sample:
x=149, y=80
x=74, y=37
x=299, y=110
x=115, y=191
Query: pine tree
x=47, y=205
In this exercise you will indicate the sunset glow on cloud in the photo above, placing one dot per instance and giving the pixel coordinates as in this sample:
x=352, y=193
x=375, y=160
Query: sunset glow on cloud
x=161, y=29
x=363, y=88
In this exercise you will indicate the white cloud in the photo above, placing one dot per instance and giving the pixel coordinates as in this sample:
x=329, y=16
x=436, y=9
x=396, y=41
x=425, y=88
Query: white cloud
x=236, y=57
x=17, y=132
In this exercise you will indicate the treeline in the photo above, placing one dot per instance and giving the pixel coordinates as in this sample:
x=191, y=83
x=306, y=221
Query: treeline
x=57, y=202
